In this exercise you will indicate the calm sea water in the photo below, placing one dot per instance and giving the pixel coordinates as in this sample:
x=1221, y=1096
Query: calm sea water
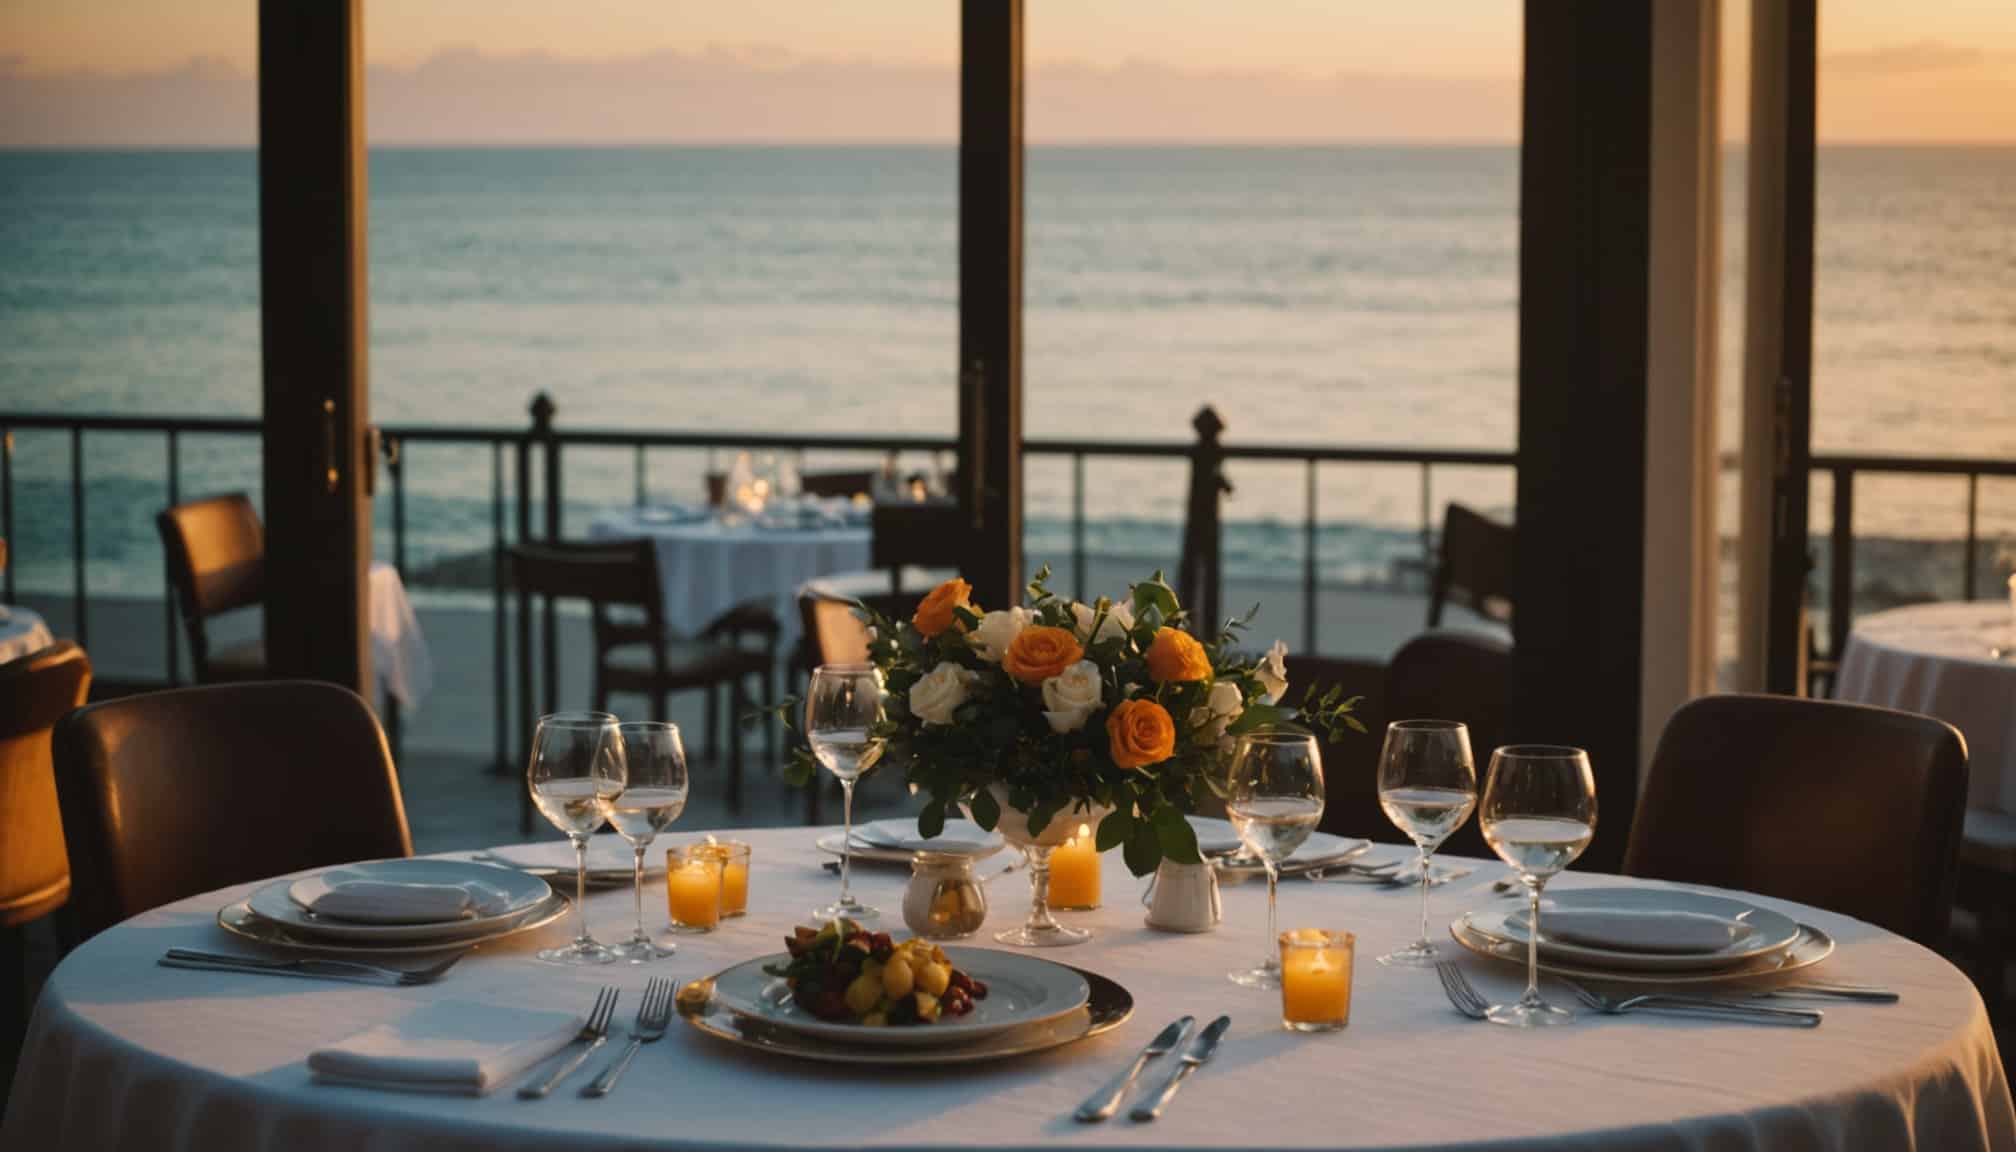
x=1333, y=295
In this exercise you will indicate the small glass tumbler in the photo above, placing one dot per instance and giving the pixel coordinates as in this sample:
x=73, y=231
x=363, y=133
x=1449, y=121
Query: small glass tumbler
x=1316, y=979
x=944, y=900
x=734, y=857
x=693, y=889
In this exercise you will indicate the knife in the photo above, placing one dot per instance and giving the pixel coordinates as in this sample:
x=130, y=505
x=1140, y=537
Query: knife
x=1199, y=1051
x=1106, y=1101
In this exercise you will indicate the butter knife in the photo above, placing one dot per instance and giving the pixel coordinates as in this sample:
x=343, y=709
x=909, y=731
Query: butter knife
x=1197, y=1053
x=1106, y=1101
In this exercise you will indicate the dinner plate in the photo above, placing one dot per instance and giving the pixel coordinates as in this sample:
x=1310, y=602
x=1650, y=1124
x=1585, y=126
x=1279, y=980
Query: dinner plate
x=1108, y=1005
x=866, y=853
x=1217, y=841
x=485, y=898
x=240, y=921
x=1812, y=946
x=1771, y=931
x=517, y=891
x=1021, y=990
x=958, y=838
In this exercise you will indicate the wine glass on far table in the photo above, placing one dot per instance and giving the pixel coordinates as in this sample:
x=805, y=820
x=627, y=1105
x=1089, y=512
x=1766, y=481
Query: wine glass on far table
x=1427, y=785
x=1538, y=815
x=654, y=793
x=842, y=708
x=1274, y=802
x=576, y=771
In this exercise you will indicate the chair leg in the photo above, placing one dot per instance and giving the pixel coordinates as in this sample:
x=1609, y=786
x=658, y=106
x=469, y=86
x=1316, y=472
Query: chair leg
x=769, y=718
x=738, y=703
x=713, y=745
x=657, y=705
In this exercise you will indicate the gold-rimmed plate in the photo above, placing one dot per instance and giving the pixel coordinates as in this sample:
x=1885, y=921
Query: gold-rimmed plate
x=241, y=921
x=1109, y=1006
x=1811, y=947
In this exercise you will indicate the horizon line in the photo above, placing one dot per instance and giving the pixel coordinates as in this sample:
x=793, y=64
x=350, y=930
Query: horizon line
x=1117, y=143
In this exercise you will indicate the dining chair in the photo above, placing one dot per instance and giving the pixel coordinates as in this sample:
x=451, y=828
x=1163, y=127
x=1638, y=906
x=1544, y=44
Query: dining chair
x=1846, y=807
x=1474, y=566
x=36, y=691
x=830, y=634
x=635, y=652
x=1351, y=763
x=216, y=553
x=921, y=534
x=170, y=794
x=1461, y=676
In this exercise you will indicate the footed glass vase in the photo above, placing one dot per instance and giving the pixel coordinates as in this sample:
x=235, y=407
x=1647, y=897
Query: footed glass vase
x=1041, y=930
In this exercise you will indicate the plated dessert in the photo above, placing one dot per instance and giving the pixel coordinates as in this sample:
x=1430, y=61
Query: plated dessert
x=843, y=973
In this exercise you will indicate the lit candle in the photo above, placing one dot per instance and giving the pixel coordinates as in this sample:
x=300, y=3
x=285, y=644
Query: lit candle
x=1074, y=873
x=734, y=857
x=1316, y=979
x=693, y=890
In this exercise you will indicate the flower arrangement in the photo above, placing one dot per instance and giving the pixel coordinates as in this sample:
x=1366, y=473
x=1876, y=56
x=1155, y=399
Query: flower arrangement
x=1065, y=706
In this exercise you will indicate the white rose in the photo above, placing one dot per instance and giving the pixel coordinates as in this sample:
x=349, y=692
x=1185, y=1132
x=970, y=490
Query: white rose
x=1272, y=672
x=1220, y=708
x=997, y=630
x=942, y=689
x=1118, y=621
x=1071, y=696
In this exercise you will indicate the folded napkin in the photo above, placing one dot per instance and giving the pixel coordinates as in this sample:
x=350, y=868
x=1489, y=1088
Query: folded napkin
x=1631, y=931
x=389, y=902
x=456, y=1046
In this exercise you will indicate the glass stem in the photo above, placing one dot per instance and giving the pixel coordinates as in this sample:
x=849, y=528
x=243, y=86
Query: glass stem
x=1532, y=997
x=1273, y=953
x=637, y=887
x=846, y=840
x=1040, y=919
x=581, y=890
x=1427, y=945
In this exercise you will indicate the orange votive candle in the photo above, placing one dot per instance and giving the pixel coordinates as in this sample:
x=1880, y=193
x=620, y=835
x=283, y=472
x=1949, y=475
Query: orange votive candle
x=734, y=857
x=1316, y=979
x=693, y=890
x=1074, y=872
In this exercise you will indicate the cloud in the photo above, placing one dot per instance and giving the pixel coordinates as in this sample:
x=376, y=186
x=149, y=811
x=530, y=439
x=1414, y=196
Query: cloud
x=1896, y=59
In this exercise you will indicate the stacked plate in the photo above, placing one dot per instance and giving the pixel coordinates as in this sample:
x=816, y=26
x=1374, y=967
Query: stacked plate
x=1648, y=935
x=896, y=841
x=385, y=907
x=610, y=861
x=1031, y=1005
x=1221, y=845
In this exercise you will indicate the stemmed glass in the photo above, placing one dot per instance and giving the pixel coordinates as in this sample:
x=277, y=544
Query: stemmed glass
x=1427, y=785
x=1538, y=815
x=1275, y=800
x=841, y=710
x=654, y=793
x=576, y=770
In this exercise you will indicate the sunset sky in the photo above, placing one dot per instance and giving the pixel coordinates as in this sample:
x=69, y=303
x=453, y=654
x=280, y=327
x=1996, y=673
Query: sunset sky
x=138, y=72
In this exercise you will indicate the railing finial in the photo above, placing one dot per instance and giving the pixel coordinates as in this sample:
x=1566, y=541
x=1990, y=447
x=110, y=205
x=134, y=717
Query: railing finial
x=543, y=410
x=1209, y=425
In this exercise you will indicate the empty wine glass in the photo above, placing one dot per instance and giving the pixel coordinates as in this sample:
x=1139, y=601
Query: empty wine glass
x=842, y=708
x=1538, y=815
x=654, y=793
x=576, y=770
x=1427, y=785
x=1275, y=800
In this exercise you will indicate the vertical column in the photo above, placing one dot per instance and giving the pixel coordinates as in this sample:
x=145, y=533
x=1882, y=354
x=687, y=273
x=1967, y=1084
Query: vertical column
x=312, y=312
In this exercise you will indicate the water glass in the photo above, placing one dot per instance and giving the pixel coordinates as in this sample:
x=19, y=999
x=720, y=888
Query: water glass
x=1427, y=787
x=842, y=708
x=1274, y=802
x=576, y=771
x=1539, y=813
x=653, y=796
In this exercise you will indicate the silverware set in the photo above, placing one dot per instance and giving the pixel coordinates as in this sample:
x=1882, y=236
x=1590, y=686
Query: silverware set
x=1464, y=997
x=1102, y=1104
x=311, y=967
x=1392, y=873
x=653, y=1015
x=593, y=1035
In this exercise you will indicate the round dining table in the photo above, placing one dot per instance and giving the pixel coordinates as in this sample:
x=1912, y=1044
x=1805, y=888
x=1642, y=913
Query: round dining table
x=125, y=1054
x=1955, y=661
x=22, y=631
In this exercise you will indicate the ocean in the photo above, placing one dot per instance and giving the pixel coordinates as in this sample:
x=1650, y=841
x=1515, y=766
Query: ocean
x=1337, y=295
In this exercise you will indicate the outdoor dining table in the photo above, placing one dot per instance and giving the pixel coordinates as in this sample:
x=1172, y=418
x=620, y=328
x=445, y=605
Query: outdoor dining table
x=124, y=1054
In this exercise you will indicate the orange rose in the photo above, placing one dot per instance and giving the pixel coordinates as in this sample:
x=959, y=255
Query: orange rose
x=936, y=614
x=1140, y=733
x=1174, y=657
x=1040, y=652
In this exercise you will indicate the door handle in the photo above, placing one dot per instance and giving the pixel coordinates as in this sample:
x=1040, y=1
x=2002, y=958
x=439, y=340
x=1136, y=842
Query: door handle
x=332, y=474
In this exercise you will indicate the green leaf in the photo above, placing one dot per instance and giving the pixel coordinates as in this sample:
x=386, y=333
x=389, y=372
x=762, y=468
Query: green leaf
x=1143, y=850
x=1177, y=839
x=1153, y=593
x=1255, y=716
x=1040, y=816
x=986, y=809
x=931, y=821
x=1113, y=830
x=800, y=769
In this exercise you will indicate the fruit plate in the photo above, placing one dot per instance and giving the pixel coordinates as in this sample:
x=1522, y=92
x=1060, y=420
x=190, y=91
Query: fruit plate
x=241, y=921
x=1108, y=1005
x=1771, y=932
x=512, y=893
x=1812, y=946
x=1021, y=991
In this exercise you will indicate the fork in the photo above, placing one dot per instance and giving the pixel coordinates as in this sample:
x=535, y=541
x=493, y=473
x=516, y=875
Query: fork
x=1462, y=995
x=1696, y=1006
x=593, y=1034
x=312, y=967
x=652, y=1017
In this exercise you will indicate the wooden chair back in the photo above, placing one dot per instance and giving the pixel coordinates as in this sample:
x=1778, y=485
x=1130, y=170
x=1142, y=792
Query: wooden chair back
x=216, y=554
x=36, y=691
x=1475, y=567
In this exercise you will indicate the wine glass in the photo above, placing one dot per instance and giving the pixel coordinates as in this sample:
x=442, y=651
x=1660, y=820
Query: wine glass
x=1538, y=815
x=1275, y=800
x=654, y=793
x=1427, y=785
x=842, y=708
x=576, y=770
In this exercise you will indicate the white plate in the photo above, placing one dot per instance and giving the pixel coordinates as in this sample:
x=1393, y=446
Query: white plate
x=1772, y=931
x=1812, y=946
x=959, y=838
x=1216, y=840
x=240, y=921
x=519, y=892
x=832, y=843
x=609, y=855
x=1021, y=990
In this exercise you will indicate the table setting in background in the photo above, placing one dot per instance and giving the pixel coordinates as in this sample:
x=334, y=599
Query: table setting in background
x=534, y=996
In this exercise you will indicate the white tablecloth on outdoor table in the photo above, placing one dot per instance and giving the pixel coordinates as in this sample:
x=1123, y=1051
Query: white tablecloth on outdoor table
x=1937, y=659
x=709, y=566
x=398, y=649
x=123, y=1054
x=22, y=632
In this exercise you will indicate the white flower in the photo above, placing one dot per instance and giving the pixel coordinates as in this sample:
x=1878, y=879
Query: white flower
x=942, y=689
x=1272, y=672
x=1071, y=696
x=997, y=630
x=1118, y=621
x=1219, y=710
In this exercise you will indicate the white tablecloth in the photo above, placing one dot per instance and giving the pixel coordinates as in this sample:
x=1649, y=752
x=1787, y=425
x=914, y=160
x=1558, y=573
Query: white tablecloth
x=709, y=566
x=1937, y=659
x=398, y=648
x=23, y=631
x=123, y=1054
